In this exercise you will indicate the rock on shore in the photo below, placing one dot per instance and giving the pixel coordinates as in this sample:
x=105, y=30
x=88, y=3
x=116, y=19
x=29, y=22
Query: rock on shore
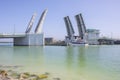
x=12, y=75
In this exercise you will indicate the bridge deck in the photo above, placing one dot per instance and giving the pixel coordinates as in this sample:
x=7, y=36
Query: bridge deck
x=11, y=35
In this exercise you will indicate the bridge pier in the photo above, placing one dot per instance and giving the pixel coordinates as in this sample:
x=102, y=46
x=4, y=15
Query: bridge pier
x=29, y=40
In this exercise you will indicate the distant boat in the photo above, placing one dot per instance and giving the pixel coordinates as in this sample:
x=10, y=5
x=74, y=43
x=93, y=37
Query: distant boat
x=75, y=43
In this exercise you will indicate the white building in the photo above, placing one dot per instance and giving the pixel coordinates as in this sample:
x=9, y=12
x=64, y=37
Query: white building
x=93, y=36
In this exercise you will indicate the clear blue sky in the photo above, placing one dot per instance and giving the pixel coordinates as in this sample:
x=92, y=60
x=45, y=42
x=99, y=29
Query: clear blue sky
x=98, y=14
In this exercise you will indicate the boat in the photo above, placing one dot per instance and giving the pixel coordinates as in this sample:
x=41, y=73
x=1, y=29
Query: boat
x=78, y=44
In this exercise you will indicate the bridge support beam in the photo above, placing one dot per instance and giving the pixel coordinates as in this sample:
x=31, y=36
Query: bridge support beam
x=30, y=40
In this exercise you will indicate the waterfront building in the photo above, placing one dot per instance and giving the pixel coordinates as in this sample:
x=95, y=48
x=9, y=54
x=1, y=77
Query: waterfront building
x=93, y=36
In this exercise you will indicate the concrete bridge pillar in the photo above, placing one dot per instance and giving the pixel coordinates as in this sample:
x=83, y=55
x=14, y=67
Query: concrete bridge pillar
x=30, y=40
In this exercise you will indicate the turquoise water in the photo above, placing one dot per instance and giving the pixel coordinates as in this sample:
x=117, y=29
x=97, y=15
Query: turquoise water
x=68, y=63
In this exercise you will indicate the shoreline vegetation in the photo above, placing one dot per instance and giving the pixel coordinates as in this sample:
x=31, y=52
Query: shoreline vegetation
x=10, y=74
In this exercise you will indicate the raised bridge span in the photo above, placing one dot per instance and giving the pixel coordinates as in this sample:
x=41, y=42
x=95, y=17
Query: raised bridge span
x=27, y=38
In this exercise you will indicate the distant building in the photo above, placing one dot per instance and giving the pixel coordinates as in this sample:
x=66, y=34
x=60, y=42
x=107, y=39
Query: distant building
x=93, y=36
x=49, y=40
x=106, y=41
x=53, y=42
